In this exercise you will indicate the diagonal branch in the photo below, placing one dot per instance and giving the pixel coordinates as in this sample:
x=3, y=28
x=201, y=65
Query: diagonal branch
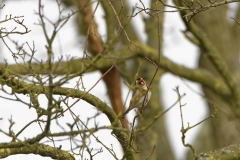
x=21, y=87
x=213, y=54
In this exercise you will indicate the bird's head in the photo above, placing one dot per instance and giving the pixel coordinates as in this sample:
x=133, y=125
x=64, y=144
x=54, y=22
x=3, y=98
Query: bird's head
x=140, y=82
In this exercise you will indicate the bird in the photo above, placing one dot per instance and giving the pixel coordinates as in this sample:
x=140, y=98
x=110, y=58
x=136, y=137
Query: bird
x=138, y=95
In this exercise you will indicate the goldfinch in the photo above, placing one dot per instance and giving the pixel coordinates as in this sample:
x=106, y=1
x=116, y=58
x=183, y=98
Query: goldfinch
x=138, y=95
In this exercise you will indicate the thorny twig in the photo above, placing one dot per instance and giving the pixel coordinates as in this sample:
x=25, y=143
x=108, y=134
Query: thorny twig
x=148, y=87
x=235, y=20
x=4, y=33
x=189, y=7
x=184, y=130
x=120, y=24
x=158, y=62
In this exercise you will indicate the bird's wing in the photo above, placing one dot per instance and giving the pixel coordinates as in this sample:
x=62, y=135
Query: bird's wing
x=134, y=92
x=137, y=95
x=133, y=95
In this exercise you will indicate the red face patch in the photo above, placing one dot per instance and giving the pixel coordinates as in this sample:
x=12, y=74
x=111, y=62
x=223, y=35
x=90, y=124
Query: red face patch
x=139, y=80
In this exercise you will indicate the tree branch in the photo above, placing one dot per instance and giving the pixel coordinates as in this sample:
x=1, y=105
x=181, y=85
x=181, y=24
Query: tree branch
x=201, y=76
x=229, y=152
x=21, y=87
x=39, y=149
